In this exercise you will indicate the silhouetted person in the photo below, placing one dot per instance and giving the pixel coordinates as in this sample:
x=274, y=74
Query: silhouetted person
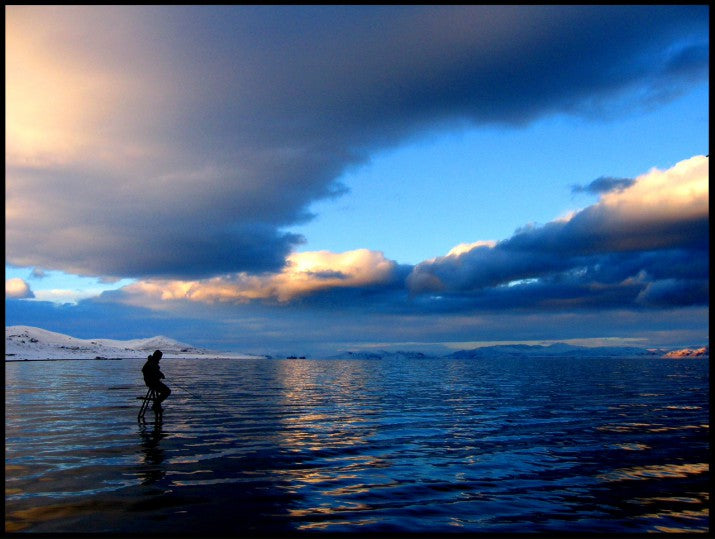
x=153, y=377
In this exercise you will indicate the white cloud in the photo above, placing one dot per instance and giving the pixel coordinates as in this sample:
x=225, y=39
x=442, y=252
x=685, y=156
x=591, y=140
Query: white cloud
x=465, y=247
x=60, y=295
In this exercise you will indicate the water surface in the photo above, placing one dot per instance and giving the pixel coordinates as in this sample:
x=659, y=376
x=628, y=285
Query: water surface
x=518, y=445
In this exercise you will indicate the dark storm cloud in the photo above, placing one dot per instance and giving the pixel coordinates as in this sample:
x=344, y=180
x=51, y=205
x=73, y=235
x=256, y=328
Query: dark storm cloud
x=506, y=279
x=201, y=131
x=581, y=288
x=676, y=292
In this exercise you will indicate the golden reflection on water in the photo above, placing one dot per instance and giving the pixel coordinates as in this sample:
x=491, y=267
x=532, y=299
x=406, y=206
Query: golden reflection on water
x=338, y=522
x=696, y=509
x=358, y=488
x=312, y=477
x=23, y=518
x=646, y=427
x=687, y=514
x=666, y=529
x=18, y=471
x=632, y=447
x=655, y=472
x=326, y=415
x=350, y=507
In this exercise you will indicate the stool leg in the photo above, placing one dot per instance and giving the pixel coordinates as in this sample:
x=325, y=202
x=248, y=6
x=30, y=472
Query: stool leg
x=151, y=396
x=145, y=404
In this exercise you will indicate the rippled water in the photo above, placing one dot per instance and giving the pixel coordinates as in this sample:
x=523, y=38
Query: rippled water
x=398, y=446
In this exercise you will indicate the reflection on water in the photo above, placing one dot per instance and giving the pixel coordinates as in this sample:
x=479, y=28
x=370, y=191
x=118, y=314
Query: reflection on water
x=371, y=446
x=151, y=435
x=655, y=471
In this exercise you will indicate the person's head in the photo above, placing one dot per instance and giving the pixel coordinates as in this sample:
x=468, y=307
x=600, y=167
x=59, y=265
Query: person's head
x=156, y=356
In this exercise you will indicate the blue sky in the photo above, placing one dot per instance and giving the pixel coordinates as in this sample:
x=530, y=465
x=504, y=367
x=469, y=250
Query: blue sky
x=314, y=179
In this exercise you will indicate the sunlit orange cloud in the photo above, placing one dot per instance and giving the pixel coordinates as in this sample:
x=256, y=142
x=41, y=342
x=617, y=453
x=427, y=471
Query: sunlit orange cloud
x=303, y=274
x=678, y=192
x=17, y=288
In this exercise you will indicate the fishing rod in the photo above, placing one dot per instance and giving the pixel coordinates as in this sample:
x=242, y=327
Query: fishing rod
x=185, y=389
x=217, y=406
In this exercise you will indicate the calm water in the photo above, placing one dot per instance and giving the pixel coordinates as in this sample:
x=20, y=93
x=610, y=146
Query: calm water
x=280, y=446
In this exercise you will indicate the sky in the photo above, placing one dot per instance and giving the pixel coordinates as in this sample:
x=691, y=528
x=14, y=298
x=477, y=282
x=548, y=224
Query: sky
x=316, y=179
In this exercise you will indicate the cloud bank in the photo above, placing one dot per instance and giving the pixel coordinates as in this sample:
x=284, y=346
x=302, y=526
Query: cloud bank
x=177, y=143
x=643, y=246
x=647, y=244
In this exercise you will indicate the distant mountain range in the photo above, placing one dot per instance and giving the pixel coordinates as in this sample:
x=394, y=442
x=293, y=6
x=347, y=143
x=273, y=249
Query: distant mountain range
x=525, y=350
x=28, y=343
x=556, y=350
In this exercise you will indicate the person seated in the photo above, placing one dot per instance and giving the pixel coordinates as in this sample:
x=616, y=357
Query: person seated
x=152, y=378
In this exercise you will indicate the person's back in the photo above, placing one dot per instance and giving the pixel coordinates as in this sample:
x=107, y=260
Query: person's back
x=151, y=372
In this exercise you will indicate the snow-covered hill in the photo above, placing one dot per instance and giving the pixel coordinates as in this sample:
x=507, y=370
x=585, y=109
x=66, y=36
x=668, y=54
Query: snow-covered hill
x=26, y=342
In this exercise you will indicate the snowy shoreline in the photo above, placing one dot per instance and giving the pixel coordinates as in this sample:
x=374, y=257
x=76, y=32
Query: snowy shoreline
x=26, y=343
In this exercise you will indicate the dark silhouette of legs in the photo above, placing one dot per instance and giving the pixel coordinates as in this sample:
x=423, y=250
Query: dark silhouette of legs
x=163, y=392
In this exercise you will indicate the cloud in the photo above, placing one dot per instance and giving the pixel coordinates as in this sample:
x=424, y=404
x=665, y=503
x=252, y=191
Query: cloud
x=65, y=296
x=645, y=244
x=18, y=289
x=38, y=273
x=604, y=184
x=667, y=292
x=305, y=273
x=178, y=142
